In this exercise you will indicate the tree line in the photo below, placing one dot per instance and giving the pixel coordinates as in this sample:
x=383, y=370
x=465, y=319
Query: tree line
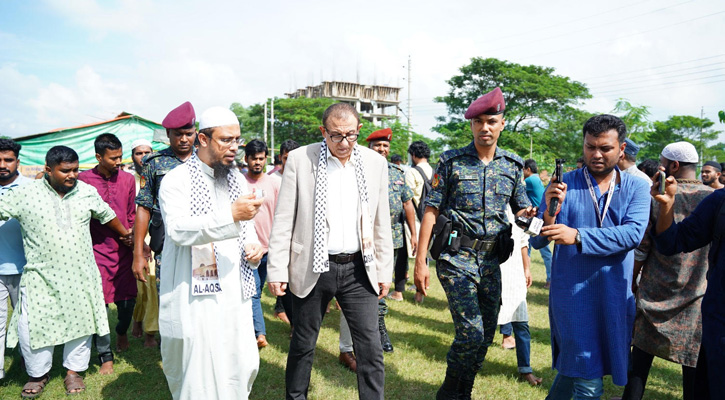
x=544, y=117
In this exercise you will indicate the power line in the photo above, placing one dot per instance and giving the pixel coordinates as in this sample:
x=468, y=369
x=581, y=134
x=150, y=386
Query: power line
x=637, y=77
x=654, y=89
x=657, y=85
x=657, y=78
x=567, y=34
x=526, y=33
x=651, y=68
x=626, y=36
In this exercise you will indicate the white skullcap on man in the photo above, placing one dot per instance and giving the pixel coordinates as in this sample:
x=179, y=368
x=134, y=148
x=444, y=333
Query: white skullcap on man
x=681, y=152
x=140, y=142
x=217, y=116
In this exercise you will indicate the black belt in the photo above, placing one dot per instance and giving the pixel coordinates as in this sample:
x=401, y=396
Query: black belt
x=477, y=244
x=344, y=258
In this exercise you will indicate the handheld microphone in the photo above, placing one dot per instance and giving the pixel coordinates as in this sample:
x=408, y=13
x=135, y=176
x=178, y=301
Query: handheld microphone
x=557, y=173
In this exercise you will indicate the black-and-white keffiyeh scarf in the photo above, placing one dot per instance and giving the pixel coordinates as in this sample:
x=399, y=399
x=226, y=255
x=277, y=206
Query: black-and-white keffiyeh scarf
x=321, y=262
x=201, y=205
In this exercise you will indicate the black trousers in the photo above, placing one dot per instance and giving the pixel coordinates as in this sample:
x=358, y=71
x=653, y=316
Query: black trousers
x=285, y=304
x=350, y=285
x=637, y=378
x=401, y=267
x=125, y=314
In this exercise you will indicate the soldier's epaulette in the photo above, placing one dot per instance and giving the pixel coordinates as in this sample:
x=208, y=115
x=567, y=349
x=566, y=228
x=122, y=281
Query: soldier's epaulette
x=151, y=156
x=513, y=157
x=155, y=154
x=450, y=154
x=396, y=166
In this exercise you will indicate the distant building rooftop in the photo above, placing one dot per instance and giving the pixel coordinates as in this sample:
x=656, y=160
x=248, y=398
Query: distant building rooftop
x=373, y=102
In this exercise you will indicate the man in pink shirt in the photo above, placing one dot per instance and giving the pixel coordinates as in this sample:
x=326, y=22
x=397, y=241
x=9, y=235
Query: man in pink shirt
x=255, y=155
x=114, y=257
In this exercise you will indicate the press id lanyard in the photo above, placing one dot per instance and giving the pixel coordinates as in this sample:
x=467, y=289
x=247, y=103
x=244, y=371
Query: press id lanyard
x=610, y=194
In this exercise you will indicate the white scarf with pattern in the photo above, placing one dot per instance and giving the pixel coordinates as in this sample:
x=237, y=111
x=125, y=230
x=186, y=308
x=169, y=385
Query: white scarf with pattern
x=201, y=205
x=321, y=261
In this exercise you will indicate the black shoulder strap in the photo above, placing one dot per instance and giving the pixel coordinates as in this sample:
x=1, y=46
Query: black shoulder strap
x=420, y=171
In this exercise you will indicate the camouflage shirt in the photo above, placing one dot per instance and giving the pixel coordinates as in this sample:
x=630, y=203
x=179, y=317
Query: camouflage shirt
x=155, y=166
x=398, y=193
x=475, y=194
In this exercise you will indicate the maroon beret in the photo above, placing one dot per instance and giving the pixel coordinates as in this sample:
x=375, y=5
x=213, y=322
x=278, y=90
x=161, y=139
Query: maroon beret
x=382, y=134
x=181, y=117
x=491, y=103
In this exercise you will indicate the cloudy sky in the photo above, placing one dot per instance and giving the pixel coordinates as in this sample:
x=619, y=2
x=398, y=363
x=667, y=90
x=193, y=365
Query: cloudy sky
x=68, y=62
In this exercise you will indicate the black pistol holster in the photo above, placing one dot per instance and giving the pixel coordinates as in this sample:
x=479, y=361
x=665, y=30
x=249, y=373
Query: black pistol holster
x=157, y=232
x=504, y=244
x=441, y=233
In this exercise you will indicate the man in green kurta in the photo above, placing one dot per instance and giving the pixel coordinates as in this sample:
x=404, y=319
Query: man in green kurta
x=60, y=290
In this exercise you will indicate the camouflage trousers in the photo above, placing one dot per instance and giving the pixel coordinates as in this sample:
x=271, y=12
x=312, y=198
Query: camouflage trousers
x=382, y=305
x=474, y=299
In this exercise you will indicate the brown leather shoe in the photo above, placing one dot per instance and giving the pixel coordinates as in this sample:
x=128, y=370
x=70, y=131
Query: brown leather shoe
x=348, y=360
x=282, y=316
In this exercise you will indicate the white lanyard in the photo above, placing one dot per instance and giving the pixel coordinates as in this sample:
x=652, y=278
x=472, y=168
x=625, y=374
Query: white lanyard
x=610, y=194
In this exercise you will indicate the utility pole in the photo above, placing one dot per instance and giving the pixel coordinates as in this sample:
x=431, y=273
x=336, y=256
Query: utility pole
x=265, y=121
x=271, y=133
x=702, y=144
x=531, y=144
x=410, y=113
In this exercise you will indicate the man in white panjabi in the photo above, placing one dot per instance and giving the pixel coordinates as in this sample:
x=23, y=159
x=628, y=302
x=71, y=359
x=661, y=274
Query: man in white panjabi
x=208, y=346
x=514, y=315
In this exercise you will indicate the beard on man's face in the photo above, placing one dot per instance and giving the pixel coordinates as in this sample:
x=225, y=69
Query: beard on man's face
x=137, y=167
x=60, y=187
x=221, y=170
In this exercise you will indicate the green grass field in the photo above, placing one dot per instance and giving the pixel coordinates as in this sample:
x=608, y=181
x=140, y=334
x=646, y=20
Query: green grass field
x=421, y=335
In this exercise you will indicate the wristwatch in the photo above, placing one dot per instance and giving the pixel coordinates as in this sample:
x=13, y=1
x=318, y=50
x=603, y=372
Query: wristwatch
x=578, y=238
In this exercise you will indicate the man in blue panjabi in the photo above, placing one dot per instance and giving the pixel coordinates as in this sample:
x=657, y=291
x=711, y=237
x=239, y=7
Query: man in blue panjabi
x=600, y=219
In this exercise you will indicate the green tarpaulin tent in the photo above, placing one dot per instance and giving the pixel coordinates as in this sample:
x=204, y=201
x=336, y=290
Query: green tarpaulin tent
x=128, y=127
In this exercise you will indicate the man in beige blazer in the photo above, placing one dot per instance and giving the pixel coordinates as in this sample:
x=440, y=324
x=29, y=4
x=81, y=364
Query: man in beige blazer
x=330, y=238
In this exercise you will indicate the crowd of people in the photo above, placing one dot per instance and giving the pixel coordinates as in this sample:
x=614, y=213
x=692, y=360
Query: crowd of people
x=184, y=242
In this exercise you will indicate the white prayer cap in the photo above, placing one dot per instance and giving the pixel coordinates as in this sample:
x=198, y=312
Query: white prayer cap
x=217, y=116
x=680, y=151
x=140, y=142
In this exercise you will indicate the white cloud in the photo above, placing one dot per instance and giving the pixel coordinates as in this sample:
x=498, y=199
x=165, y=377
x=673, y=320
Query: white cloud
x=124, y=16
x=219, y=52
x=16, y=87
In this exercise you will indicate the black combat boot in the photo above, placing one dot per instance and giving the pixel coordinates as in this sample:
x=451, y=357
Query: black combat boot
x=384, y=339
x=465, y=387
x=449, y=389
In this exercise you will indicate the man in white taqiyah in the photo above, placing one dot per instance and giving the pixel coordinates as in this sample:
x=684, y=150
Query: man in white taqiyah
x=208, y=346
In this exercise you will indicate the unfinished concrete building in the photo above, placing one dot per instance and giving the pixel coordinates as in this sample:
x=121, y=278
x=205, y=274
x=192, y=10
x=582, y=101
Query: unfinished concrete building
x=374, y=103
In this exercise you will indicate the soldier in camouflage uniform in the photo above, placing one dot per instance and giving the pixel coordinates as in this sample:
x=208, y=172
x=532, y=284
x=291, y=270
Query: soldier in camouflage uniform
x=400, y=198
x=471, y=187
x=180, y=126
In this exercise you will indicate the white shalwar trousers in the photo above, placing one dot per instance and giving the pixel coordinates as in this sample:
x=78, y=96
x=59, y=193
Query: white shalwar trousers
x=76, y=353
